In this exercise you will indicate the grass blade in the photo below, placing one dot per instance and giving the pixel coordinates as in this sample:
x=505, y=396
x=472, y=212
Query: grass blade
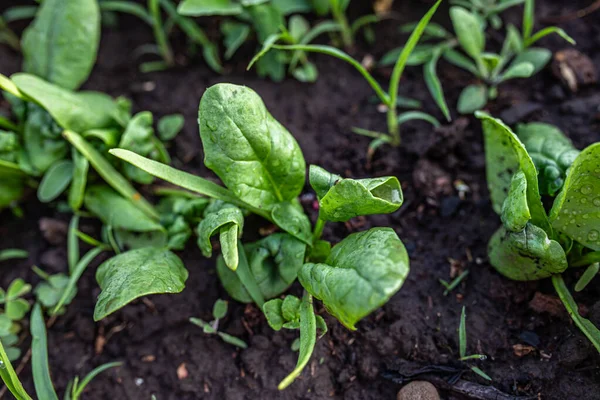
x=462, y=334
x=417, y=115
x=39, y=356
x=73, y=243
x=412, y=41
x=10, y=254
x=127, y=7
x=10, y=378
x=337, y=53
x=585, y=325
x=109, y=173
x=184, y=180
x=75, y=275
x=587, y=277
x=548, y=31
x=89, y=377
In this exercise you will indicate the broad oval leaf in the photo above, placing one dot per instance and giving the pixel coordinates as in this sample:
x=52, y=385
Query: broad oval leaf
x=522, y=69
x=551, y=151
x=62, y=42
x=468, y=30
x=527, y=255
x=169, y=126
x=76, y=111
x=341, y=199
x=537, y=56
x=472, y=98
x=290, y=217
x=252, y=153
x=360, y=275
x=55, y=181
x=576, y=210
x=137, y=273
x=504, y=156
x=228, y=221
x=274, y=262
x=124, y=217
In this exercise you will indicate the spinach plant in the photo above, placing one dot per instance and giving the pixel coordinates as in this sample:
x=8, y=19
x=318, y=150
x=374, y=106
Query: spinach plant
x=15, y=308
x=539, y=162
x=263, y=170
x=517, y=58
x=389, y=98
x=212, y=328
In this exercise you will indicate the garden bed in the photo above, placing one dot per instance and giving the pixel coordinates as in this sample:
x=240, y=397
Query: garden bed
x=444, y=230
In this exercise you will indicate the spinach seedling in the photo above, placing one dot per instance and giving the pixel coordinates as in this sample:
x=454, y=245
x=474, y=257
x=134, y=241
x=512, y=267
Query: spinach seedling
x=263, y=170
x=533, y=243
x=462, y=346
x=212, y=328
x=389, y=98
x=516, y=59
x=488, y=11
x=15, y=307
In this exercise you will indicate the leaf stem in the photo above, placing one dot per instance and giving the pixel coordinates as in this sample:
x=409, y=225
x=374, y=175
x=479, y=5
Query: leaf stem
x=247, y=278
x=586, y=259
x=340, y=17
x=588, y=329
x=159, y=33
x=318, y=231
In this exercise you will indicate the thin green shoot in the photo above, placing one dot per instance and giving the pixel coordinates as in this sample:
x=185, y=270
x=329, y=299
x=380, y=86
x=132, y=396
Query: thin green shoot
x=450, y=286
x=587, y=277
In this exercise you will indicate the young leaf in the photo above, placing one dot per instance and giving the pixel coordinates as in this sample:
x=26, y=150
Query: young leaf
x=536, y=56
x=420, y=55
x=219, y=309
x=548, y=31
x=55, y=181
x=290, y=217
x=468, y=30
x=351, y=283
x=199, y=8
x=78, y=388
x=39, y=356
x=118, y=212
x=462, y=334
x=63, y=50
x=273, y=313
x=505, y=154
x=589, y=274
x=234, y=35
x=76, y=111
x=527, y=255
x=472, y=98
x=137, y=273
x=588, y=329
x=434, y=85
x=551, y=151
x=252, y=153
x=518, y=70
x=228, y=221
x=169, y=126
x=274, y=263
x=308, y=339
x=515, y=210
x=81, y=166
x=342, y=199
x=576, y=210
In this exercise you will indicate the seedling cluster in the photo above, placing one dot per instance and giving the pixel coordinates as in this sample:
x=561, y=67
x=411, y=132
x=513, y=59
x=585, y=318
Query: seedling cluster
x=86, y=153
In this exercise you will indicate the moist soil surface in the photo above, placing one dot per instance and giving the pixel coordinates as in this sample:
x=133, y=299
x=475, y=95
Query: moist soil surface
x=533, y=348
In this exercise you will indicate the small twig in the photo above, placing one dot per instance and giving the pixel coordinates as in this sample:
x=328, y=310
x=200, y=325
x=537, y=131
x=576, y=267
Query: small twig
x=584, y=12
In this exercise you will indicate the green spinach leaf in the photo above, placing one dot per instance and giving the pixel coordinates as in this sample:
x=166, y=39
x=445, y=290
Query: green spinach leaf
x=252, y=153
x=137, y=273
x=360, y=275
x=228, y=221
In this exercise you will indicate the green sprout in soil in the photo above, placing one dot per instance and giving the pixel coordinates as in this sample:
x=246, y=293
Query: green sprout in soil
x=462, y=347
x=517, y=58
x=389, y=98
x=263, y=170
x=13, y=311
x=487, y=11
x=450, y=286
x=212, y=328
x=540, y=163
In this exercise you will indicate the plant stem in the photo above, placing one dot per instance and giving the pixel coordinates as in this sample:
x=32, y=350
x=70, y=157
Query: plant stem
x=340, y=18
x=318, y=231
x=586, y=259
x=247, y=277
x=393, y=127
x=588, y=329
x=159, y=33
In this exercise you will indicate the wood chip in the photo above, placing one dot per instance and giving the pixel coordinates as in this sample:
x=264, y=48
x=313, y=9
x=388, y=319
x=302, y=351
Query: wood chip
x=182, y=372
x=522, y=350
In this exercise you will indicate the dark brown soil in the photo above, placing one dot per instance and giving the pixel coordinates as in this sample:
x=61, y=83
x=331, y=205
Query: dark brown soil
x=442, y=231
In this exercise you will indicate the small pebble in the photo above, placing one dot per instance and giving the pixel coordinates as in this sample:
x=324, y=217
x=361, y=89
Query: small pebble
x=418, y=390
